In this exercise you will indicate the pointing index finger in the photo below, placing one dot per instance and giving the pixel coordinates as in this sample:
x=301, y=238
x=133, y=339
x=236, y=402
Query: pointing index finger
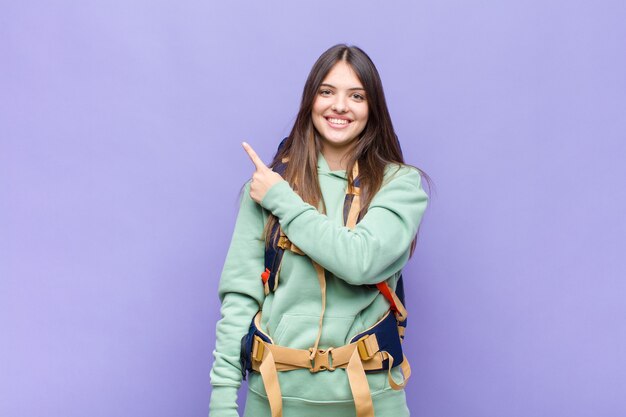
x=253, y=156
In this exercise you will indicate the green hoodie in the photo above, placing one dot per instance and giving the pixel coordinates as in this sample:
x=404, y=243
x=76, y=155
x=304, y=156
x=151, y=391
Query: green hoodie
x=375, y=250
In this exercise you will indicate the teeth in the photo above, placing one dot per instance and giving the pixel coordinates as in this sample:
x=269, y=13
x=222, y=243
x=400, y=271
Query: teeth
x=338, y=121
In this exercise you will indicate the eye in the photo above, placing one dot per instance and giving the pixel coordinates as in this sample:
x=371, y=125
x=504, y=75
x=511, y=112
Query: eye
x=325, y=92
x=358, y=97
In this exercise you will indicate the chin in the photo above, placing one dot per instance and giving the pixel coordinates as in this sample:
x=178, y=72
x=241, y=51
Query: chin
x=339, y=141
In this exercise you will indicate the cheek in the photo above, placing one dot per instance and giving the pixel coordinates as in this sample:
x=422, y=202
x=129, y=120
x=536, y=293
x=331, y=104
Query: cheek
x=315, y=117
x=364, y=115
x=317, y=114
x=317, y=107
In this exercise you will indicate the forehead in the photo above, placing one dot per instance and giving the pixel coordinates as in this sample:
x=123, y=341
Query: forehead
x=341, y=75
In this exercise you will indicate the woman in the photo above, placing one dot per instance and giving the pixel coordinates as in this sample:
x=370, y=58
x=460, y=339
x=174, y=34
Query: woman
x=348, y=210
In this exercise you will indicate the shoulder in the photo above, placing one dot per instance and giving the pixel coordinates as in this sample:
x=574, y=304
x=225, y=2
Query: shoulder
x=402, y=185
x=402, y=174
x=401, y=191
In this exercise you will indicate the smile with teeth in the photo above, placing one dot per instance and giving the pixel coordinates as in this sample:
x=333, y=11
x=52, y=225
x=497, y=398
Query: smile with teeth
x=337, y=121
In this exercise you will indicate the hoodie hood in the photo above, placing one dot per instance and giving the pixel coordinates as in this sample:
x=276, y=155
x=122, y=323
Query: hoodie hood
x=323, y=168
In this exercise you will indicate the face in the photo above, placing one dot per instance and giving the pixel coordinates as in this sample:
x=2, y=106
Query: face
x=340, y=108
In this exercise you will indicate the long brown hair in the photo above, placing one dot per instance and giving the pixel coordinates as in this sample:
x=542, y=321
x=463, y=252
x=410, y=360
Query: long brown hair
x=376, y=146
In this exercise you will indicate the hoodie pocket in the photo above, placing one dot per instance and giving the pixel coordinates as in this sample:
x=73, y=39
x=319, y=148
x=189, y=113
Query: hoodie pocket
x=300, y=330
x=283, y=324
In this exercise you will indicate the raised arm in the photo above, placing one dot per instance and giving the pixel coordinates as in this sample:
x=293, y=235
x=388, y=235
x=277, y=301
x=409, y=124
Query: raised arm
x=376, y=248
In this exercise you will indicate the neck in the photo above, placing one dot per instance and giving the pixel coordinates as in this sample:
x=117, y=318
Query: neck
x=336, y=158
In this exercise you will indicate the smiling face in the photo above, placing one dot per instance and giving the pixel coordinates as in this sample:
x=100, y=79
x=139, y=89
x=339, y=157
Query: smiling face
x=340, y=110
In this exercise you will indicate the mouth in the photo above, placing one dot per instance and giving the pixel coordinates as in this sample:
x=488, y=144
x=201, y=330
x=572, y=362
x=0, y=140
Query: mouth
x=337, y=122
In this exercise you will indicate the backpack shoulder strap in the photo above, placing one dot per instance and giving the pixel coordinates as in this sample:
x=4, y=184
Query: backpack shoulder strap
x=351, y=216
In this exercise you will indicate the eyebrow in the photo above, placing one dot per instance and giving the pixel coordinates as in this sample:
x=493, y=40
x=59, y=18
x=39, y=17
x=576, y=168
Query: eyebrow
x=349, y=89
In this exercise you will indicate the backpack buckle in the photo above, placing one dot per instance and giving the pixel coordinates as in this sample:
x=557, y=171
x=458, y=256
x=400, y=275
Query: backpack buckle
x=320, y=361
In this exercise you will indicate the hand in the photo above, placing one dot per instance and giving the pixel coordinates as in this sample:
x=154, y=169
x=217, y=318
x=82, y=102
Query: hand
x=263, y=178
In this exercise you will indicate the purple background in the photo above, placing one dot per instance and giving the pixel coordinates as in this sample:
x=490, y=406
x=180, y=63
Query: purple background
x=120, y=167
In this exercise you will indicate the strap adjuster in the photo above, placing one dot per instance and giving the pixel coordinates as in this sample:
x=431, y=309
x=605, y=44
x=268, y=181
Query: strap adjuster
x=258, y=348
x=362, y=347
x=283, y=242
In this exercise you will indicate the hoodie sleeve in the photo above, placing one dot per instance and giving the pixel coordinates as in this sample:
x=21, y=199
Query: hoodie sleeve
x=379, y=244
x=241, y=294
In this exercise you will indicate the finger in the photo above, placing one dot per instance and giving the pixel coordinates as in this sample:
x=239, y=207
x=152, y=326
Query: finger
x=253, y=156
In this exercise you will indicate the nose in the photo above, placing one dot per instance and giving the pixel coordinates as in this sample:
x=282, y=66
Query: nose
x=340, y=105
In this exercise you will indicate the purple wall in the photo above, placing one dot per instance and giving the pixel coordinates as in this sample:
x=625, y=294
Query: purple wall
x=120, y=167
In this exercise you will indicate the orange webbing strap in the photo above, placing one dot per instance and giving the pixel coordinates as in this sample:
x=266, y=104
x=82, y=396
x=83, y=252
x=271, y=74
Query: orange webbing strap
x=359, y=386
x=401, y=313
x=322, y=279
x=406, y=372
x=353, y=214
x=270, y=381
x=288, y=359
x=355, y=205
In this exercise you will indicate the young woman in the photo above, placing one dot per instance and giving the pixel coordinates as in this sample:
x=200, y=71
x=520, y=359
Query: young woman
x=343, y=209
